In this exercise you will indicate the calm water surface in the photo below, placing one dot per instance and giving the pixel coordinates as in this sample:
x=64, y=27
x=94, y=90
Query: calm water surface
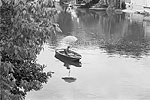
x=115, y=58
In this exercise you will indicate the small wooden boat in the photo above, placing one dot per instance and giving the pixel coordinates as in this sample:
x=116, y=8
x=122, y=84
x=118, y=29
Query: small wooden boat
x=72, y=56
x=68, y=62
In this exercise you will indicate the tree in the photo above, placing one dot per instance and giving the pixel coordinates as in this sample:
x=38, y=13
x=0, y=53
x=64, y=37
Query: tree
x=90, y=3
x=25, y=25
x=111, y=4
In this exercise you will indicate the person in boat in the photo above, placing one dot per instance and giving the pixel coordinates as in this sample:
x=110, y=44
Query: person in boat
x=67, y=50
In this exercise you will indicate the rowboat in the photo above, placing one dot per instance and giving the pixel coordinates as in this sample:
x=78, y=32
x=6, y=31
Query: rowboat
x=71, y=56
x=68, y=62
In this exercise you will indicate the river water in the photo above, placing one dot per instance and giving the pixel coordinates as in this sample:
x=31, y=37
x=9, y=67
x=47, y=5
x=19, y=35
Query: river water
x=115, y=60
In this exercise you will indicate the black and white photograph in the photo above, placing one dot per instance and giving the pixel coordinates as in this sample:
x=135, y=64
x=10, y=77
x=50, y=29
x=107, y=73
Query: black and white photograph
x=74, y=49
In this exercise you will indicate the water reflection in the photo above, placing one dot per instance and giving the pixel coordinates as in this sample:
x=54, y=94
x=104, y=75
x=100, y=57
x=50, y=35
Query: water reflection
x=123, y=34
x=115, y=34
x=68, y=64
x=100, y=76
x=132, y=41
x=89, y=19
x=65, y=22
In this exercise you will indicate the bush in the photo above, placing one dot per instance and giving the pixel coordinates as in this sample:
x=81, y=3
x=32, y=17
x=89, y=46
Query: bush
x=25, y=26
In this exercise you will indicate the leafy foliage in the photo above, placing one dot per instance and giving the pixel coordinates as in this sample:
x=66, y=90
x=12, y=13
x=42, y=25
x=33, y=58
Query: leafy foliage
x=90, y=3
x=25, y=25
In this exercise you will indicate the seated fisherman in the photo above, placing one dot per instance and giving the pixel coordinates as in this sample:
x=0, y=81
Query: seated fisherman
x=67, y=50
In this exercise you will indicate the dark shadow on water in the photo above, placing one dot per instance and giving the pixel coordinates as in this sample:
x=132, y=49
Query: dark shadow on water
x=65, y=22
x=68, y=64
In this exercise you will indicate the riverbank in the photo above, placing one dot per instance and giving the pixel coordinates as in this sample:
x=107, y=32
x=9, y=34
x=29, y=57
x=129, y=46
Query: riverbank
x=143, y=9
x=145, y=14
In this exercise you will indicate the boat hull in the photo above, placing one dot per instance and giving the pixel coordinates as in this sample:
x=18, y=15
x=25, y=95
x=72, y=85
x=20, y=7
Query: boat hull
x=69, y=62
x=75, y=57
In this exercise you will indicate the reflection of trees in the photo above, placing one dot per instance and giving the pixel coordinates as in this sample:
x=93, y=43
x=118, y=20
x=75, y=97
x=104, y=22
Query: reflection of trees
x=110, y=28
x=118, y=35
x=125, y=47
x=87, y=18
x=132, y=44
x=113, y=27
x=65, y=22
x=23, y=30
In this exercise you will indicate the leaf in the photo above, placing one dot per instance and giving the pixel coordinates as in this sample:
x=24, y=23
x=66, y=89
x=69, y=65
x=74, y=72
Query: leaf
x=58, y=29
x=25, y=43
x=6, y=67
x=1, y=49
x=16, y=51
